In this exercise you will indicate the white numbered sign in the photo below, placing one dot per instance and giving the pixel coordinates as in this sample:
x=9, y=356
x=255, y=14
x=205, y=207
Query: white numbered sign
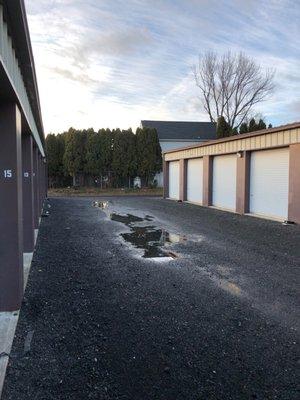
x=7, y=173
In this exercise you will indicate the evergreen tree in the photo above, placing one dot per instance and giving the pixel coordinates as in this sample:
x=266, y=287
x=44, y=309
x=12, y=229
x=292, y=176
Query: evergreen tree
x=75, y=154
x=106, y=150
x=270, y=126
x=261, y=125
x=223, y=128
x=243, y=128
x=124, y=163
x=149, y=155
x=234, y=131
x=94, y=162
x=252, y=127
x=55, y=148
x=118, y=160
x=132, y=163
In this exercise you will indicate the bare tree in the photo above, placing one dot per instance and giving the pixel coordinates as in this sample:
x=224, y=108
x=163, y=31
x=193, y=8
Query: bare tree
x=231, y=85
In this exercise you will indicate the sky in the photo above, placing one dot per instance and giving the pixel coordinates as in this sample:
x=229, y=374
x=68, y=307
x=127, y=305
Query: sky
x=113, y=63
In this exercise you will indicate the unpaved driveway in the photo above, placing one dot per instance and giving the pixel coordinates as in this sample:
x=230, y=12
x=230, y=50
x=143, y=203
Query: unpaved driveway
x=214, y=316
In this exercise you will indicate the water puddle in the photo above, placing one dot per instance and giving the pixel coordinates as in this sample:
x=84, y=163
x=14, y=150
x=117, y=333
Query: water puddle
x=126, y=219
x=152, y=240
x=101, y=204
x=149, y=218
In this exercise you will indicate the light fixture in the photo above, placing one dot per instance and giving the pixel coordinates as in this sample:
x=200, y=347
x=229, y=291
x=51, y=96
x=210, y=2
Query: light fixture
x=239, y=154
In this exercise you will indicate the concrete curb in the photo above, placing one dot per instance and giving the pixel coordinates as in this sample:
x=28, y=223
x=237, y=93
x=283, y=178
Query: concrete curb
x=8, y=324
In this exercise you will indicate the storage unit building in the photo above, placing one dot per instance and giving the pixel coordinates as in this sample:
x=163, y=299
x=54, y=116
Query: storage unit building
x=256, y=173
x=23, y=174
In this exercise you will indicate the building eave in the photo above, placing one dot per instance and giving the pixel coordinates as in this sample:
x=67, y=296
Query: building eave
x=15, y=14
x=182, y=140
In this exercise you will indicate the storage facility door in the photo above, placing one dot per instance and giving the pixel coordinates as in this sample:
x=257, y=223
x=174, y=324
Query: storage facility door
x=224, y=182
x=174, y=180
x=269, y=182
x=195, y=180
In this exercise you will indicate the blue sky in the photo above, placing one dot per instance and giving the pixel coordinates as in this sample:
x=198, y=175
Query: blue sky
x=104, y=63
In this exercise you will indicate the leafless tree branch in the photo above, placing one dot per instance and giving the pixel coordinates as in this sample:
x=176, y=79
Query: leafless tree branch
x=231, y=85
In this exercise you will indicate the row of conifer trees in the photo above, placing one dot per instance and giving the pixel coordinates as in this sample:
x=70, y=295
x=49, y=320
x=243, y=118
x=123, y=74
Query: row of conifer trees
x=105, y=158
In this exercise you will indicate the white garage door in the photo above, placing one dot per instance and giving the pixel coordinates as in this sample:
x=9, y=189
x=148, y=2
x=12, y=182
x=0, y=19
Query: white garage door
x=174, y=180
x=224, y=182
x=269, y=183
x=195, y=180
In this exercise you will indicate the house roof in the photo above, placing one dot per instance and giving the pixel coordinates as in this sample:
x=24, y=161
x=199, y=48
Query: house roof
x=182, y=130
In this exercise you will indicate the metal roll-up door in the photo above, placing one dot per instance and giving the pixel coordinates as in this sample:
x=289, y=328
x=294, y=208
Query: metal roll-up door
x=269, y=183
x=174, y=180
x=224, y=182
x=195, y=180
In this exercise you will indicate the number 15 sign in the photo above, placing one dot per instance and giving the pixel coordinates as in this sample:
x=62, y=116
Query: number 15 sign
x=7, y=173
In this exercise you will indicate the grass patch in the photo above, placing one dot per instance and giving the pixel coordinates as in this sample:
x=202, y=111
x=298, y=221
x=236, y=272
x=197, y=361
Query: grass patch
x=86, y=191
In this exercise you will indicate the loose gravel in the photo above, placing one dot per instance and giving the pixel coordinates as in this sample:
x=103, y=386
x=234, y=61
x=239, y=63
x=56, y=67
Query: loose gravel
x=99, y=321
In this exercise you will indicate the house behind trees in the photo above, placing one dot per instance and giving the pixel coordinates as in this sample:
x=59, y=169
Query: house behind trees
x=175, y=134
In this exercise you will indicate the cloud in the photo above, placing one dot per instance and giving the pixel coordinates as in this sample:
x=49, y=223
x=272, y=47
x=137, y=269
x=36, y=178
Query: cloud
x=295, y=107
x=113, y=63
x=66, y=73
x=122, y=43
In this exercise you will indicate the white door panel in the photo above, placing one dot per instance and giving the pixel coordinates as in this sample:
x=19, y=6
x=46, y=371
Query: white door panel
x=174, y=180
x=195, y=180
x=224, y=182
x=269, y=182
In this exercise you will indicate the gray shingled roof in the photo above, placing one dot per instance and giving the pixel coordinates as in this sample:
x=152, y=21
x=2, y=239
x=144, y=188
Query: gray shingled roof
x=182, y=130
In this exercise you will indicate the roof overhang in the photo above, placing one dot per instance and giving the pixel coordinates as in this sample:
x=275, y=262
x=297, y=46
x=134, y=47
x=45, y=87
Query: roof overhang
x=15, y=15
x=183, y=140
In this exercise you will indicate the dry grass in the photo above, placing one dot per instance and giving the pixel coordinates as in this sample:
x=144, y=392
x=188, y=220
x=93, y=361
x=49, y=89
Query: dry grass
x=86, y=191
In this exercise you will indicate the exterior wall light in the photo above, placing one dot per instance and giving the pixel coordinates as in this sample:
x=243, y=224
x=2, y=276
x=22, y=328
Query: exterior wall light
x=239, y=154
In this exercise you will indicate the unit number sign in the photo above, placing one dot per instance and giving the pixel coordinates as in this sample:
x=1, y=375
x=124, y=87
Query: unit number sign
x=7, y=173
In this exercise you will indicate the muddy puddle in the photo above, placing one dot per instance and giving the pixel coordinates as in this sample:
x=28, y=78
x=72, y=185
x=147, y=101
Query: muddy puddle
x=126, y=219
x=150, y=239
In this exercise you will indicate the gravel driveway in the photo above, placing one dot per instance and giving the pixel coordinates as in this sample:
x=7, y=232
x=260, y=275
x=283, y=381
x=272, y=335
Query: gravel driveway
x=212, y=316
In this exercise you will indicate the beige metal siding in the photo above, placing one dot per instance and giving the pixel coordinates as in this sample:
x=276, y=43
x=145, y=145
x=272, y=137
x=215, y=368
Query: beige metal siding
x=259, y=142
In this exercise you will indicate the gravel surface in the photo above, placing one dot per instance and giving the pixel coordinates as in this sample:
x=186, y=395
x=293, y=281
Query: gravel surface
x=99, y=321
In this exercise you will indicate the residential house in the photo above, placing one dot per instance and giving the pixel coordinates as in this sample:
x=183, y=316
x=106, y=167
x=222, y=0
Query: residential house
x=175, y=134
